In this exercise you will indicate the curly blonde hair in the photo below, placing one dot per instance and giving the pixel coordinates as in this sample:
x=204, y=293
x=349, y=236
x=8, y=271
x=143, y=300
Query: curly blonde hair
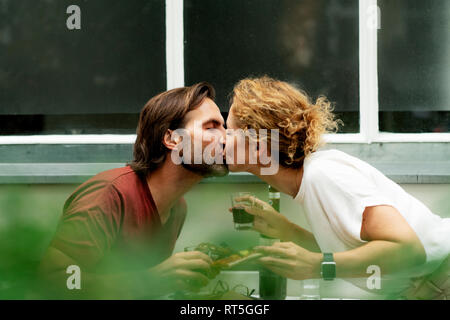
x=266, y=103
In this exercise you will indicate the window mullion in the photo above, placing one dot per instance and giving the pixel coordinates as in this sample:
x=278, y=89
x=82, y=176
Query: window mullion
x=174, y=44
x=368, y=73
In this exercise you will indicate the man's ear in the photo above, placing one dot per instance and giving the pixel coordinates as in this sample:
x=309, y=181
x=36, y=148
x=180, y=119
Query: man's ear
x=169, y=140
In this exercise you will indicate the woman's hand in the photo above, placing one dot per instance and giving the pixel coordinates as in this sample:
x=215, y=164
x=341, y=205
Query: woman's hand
x=267, y=220
x=291, y=261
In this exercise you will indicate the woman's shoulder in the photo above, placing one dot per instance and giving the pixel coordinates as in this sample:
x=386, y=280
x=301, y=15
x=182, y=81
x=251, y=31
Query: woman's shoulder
x=330, y=159
x=324, y=159
x=330, y=154
x=336, y=167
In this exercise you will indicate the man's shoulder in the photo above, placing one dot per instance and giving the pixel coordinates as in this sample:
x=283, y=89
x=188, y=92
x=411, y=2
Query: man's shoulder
x=119, y=178
x=108, y=184
x=114, y=175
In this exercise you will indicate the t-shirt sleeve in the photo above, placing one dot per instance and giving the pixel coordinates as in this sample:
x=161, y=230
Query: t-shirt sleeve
x=89, y=225
x=344, y=191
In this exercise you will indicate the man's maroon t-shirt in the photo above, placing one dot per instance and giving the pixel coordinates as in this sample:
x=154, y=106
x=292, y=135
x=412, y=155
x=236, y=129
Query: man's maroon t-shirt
x=111, y=223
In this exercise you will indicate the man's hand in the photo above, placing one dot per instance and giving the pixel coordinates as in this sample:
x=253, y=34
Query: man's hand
x=183, y=271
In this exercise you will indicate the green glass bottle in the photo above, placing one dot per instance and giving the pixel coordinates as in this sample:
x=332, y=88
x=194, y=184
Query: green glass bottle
x=271, y=285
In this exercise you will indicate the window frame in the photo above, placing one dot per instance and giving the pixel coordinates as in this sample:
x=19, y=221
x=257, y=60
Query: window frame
x=368, y=84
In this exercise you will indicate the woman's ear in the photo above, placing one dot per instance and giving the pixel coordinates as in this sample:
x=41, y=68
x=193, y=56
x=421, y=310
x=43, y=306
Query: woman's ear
x=264, y=154
x=170, y=140
x=262, y=149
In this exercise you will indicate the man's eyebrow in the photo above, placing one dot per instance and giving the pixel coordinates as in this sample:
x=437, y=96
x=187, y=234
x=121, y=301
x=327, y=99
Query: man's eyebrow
x=213, y=120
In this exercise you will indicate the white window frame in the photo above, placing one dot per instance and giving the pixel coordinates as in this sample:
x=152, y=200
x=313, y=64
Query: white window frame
x=368, y=74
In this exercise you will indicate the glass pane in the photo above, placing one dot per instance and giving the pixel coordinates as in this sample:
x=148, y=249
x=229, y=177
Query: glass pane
x=414, y=66
x=124, y=123
x=93, y=80
x=313, y=43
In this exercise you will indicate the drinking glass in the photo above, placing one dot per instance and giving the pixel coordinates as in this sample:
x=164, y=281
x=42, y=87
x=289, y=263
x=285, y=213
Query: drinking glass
x=242, y=220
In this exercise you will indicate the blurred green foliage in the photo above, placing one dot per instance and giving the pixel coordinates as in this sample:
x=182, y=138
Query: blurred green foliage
x=28, y=217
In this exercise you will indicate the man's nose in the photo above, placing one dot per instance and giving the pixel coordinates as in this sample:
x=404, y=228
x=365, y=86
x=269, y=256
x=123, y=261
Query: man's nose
x=223, y=137
x=223, y=140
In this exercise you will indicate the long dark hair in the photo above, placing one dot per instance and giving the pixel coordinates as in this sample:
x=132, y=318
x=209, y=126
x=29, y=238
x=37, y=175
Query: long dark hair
x=162, y=112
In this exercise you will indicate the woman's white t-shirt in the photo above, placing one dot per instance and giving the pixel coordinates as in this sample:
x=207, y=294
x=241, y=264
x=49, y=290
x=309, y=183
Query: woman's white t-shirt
x=335, y=190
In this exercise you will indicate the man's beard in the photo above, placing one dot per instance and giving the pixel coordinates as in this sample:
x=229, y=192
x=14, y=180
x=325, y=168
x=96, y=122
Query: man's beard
x=207, y=170
x=204, y=169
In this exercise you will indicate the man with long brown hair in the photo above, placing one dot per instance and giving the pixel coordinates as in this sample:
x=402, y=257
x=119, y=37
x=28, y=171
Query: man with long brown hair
x=119, y=228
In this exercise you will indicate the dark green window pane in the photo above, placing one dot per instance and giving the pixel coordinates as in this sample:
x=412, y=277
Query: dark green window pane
x=313, y=43
x=107, y=123
x=110, y=67
x=414, y=66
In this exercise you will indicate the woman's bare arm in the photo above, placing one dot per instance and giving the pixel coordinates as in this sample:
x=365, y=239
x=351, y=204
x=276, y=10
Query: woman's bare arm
x=392, y=245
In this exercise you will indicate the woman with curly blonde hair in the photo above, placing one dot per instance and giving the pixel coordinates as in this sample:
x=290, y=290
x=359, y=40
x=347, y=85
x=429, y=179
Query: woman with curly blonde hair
x=359, y=218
